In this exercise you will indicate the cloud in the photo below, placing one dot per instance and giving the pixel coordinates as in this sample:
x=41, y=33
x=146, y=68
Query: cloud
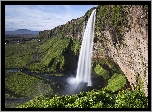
x=39, y=17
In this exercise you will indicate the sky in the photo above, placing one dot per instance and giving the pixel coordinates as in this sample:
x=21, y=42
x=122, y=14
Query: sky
x=41, y=17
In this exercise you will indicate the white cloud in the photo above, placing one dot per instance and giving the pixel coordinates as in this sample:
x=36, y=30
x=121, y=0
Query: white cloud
x=39, y=17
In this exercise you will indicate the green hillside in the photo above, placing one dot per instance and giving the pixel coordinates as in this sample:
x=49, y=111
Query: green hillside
x=57, y=54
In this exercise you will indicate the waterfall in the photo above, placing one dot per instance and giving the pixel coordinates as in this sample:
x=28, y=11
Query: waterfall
x=84, y=62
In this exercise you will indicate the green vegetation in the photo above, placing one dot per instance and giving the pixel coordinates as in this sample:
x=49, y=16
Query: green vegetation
x=100, y=71
x=58, y=53
x=88, y=13
x=21, y=84
x=107, y=64
x=111, y=18
x=18, y=55
x=53, y=55
x=12, y=105
x=116, y=82
x=92, y=99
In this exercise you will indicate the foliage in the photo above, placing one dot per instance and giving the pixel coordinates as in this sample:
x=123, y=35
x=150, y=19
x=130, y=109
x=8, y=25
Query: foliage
x=91, y=99
x=107, y=64
x=51, y=55
x=88, y=13
x=116, y=82
x=12, y=105
x=18, y=55
x=58, y=53
x=111, y=18
x=129, y=99
x=100, y=71
x=76, y=47
x=25, y=85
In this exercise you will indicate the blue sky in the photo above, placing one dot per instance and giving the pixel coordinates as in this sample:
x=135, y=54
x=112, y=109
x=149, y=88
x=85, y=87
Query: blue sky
x=41, y=17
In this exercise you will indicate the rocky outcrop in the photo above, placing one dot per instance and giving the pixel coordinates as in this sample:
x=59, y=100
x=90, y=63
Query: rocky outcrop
x=132, y=53
x=121, y=33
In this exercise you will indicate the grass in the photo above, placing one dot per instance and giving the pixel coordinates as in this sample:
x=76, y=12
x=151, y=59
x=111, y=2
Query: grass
x=116, y=82
x=18, y=55
x=102, y=72
x=91, y=99
x=51, y=55
x=20, y=84
x=59, y=54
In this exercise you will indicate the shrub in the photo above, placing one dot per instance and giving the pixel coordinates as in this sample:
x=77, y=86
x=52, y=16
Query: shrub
x=102, y=72
x=25, y=85
x=116, y=82
x=91, y=99
x=131, y=99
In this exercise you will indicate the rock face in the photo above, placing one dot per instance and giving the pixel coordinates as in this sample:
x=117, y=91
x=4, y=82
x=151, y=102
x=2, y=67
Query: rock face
x=121, y=33
x=132, y=54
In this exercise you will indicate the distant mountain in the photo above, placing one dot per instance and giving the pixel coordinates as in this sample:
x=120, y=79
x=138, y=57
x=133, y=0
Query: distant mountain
x=22, y=31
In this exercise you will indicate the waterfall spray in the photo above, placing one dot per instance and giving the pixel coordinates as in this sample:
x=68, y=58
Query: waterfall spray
x=84, y=62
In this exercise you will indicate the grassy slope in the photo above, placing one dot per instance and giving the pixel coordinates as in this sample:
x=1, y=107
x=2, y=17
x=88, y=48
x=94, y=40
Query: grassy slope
x=20, y=86
x=51, y=52
x=54, y=56
x=25, y=85
x=18, y=55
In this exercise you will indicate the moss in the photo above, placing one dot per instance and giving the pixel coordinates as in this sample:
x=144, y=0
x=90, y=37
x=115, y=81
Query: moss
x=111, y=18
x=102, y=72
x=144, y=73
x=107, y=64
x=20, y=84
x=116, y=82
x=140, y=83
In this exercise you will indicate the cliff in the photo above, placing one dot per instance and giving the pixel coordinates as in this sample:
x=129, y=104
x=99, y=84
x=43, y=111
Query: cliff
x=125, y=40
x=72, y=29
x=121, y=34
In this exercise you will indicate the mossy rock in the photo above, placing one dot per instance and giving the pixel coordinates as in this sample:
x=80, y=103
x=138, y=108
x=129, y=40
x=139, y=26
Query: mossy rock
x=116, y=82
x=102, y=72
